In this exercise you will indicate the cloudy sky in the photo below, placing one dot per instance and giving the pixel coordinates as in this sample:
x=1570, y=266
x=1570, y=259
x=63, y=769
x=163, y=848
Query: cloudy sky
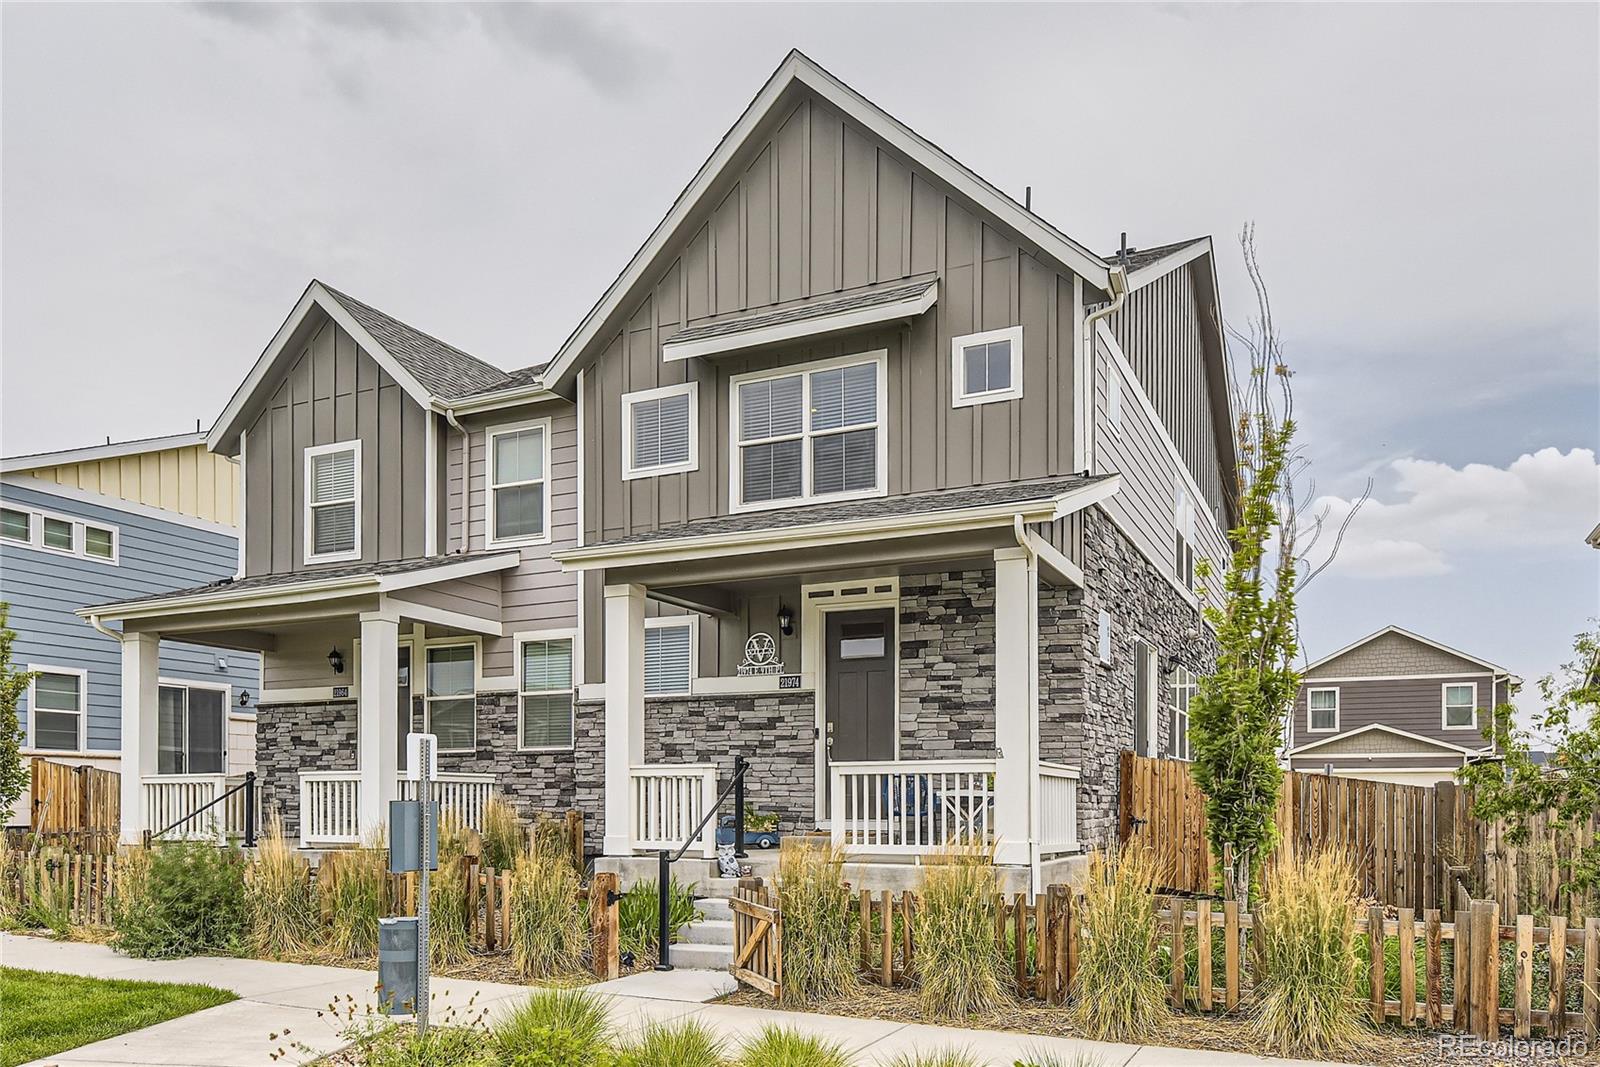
x=1424, y=181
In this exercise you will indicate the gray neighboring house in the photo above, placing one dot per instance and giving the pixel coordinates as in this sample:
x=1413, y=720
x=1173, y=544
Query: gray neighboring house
x=1395, y=707
x=860, y=469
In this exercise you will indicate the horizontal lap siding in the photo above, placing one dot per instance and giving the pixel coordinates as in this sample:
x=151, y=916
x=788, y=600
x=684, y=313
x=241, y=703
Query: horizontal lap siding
x=1411, y=704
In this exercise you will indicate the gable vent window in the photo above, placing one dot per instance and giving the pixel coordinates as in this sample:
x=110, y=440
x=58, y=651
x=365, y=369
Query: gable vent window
x=1461, y=706
x=658, y=431
x=519, y=497
x=1322, y=710
x=546, y=693
x=668, y=656
x=987, y=367
x=333, y=502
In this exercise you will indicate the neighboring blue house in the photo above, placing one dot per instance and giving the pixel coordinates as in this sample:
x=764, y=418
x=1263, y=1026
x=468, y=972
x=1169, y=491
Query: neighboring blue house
x=106, y=523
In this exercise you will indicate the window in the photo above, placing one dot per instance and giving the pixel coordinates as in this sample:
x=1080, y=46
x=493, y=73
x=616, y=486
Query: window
x=1322, y=710
x=1183, y=689
x=809, y=434
x=190, y=728
x=99, y=542
x=1144, y=681
x=16, y=525
x=58, y=534
x=519, y=503
x=1113, y=399
x=987, y=367
x=56, y=701
x=546, y=689
x=333, y=502
x=1103, y=643
x=1461, y=706
x=862, y=640
x=1183, y=558
x=658, y=431
x=452, y=697
x=668, y=656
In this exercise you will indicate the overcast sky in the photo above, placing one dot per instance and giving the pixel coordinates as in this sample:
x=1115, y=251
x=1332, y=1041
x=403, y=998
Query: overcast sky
x=1424, y=181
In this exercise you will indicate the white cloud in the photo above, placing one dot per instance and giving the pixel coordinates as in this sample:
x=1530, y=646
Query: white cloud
x=1438, y=514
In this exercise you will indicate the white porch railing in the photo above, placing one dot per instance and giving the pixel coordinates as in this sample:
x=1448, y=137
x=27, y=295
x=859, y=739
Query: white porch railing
x=176, y=798
x=330, y=803
x=911, y=806
x=1058, y=808
x=464, y=794
x=667, y=802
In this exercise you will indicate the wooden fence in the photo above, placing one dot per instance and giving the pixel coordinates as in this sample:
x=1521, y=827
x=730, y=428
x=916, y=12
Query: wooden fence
x=78, y=803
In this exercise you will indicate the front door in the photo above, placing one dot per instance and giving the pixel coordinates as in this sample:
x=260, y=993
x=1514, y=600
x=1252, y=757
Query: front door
x=860, y=685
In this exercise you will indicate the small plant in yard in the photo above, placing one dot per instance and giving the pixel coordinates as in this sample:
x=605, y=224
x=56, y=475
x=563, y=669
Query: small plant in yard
x=1045, y=1058
x=958, y=967
x=775, y=1046
x=283, y=910
x=43, y=902
x=1119, y=992
x=548, y=930
x=350, y=888
x=818, y=924
x=637, y=911
x=944, y=1057
x=502, y=834
x=457, y=1037
x=447, y=895
x=1306, y=1005
x=192, y=904
x=555, y=1028
x=13, y=683
x=683, y=1044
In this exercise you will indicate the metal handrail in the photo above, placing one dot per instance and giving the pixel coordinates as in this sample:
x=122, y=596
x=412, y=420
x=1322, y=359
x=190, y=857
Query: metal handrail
x=249, y=787
x=665, y=858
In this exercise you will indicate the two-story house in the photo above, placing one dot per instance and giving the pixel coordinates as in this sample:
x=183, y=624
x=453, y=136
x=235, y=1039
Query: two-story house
x=1395, y=707
x=860, y=470
x=112, y=521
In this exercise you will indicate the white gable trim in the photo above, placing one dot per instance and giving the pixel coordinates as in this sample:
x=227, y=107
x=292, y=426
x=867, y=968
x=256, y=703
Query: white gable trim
x=1378, y=726
x=908, y=308
x=1403, y=633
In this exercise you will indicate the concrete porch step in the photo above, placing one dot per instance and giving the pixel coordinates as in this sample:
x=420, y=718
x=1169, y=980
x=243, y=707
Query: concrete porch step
x=715, y=909
x=691, y=956
x=708, y=932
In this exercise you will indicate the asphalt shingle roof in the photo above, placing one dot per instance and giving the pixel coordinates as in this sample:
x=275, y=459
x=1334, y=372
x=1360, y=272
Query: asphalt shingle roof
x=801, y=312
x=443, y=369
x=1143, y=257
x=909, y=504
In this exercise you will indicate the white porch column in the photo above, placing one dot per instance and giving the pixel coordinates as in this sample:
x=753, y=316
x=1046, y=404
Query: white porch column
x=624, y=711
x=141, y=671
x=376, y=728
x=1016, y=684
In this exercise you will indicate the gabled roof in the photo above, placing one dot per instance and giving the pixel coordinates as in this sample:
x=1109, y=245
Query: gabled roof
x=798, y=69
x=1413, y=636
x=1384, y=728
x=444, y=369
x=92, y=453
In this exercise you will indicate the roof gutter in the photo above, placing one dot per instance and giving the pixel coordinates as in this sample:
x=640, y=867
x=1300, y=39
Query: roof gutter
x=1119, y=293
x=115, y=635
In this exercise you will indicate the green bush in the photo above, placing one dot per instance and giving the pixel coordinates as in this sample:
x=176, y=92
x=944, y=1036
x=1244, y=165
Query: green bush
x=548, y=930
x=555, y=1027
x=958, y=966
x=1306, y=1005
x=819, y=924
x=683, y=1044
x=637, y=912
x=774, y=1046
x=1119, y=991
x=192, y=904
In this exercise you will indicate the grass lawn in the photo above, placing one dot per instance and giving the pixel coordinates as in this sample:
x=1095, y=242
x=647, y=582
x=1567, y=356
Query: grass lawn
x=42, y=1013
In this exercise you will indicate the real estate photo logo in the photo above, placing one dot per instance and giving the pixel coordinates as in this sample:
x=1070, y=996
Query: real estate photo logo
x=1512, y=1050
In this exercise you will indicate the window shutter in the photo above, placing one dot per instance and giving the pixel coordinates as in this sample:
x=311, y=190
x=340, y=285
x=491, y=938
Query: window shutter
x=667, y=652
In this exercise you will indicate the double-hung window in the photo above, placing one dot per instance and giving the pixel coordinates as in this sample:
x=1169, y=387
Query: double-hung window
x=519, y=491
x=16, y=525
x=56, y=705
x=1460, y=705
x=669, y=656
x=333, y=502
x=1322, y=710
x=191, y=724
x=658, y=431
x=809, y=433
x=452, y=696
x=987, y=367
x=545, y=671
x=1183, y=689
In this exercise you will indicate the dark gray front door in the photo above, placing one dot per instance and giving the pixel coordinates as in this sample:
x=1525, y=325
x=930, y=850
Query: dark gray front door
x=860, y=684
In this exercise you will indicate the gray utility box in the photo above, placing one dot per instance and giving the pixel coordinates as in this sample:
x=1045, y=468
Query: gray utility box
x=405, y=822
x=397, y=965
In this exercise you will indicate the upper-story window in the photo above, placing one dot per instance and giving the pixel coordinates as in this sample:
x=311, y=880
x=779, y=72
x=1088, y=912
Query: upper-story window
x=809, y=433
x=669, y=655
x=1183, y=556
x=658, y=431
x=1460, y=705
x=1322, y=710
x=57, y=697
x=519, y=490
x=16, y=525
x=59, y=533
x=333, y=502
x=987, y=367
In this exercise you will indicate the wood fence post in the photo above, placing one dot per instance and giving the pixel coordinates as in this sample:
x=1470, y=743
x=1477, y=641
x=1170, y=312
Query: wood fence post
x=1591, y=978
x=1523, y=1005
x=1461, y=1009
x=574, y=837
x=1177, y=953
x=888, y=939
x=1485, y=954
x=1558, y=977
x=1375, y=958
x=1125, y=796
x=1407, y=927
x=1202, y=949
x=1230, y=952
x=1434, y=1017
x=489, y=887
x=607, y=951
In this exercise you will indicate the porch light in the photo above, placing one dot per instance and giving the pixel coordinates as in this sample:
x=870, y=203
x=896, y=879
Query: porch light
x=336, y=660
x=785, y=621
x=244, y=698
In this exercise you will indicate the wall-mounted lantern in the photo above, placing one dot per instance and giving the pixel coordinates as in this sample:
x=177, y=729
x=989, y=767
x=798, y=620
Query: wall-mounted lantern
x=785, y=621
x=336, y=660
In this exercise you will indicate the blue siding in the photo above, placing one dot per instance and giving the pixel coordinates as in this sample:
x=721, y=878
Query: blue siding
x=154, y=555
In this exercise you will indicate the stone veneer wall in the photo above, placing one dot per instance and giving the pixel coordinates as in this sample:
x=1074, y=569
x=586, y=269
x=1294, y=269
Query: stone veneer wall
x=291, y=738
x=947, y=665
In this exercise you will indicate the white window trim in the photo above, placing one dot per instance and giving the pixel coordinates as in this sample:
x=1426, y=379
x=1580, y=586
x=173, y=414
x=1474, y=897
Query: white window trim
x=1182, y=679
x=476, y=644
x=879, y=356
x=83, y=705
x=79, y=549
x=1444, y=705
x=522, y=638
x=692, y=624
x=227, y=711
x=959, y=397
x=1153, y=703
x=1337, y=709
x=1113, y=399
x=489, y=484
x=689, y=389
x=311, y=452
x=26, y=513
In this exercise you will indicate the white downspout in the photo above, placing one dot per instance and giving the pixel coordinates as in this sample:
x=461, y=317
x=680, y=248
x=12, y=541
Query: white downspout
x=115, y=635
x=466, y=481
x=1119, y=292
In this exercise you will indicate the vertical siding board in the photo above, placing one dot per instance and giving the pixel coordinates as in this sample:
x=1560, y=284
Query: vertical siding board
x=758, y=275
x=789, y=172
x=824, y=144
x=725, y=254
x=856, y=197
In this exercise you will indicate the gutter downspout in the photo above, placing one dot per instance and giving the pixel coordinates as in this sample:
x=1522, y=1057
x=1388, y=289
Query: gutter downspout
x=1035, y=861
x=115, y=635
x=1119, y=292
x=466, y=478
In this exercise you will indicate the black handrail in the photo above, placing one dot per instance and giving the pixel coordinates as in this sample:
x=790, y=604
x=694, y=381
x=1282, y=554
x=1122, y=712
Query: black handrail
x=665, y=858
x=249, y=787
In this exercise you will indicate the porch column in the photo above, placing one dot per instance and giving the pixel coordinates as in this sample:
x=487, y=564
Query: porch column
x=376, y=737
x=1016, y=684
x=141, y=671
x=624, y=711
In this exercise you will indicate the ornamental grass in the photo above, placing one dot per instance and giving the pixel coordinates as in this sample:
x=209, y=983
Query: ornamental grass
x=447, y=895
x=555, y=1028
x=682, y=1044
x=502, y=834
x=278, y=897
x=547, y=931
x=958, y=968
x=1119, y=991
x=777, y=1046
x=350, y=893
x=819, y=951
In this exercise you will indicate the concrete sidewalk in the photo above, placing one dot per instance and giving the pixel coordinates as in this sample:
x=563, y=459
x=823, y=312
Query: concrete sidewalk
x=284, y=998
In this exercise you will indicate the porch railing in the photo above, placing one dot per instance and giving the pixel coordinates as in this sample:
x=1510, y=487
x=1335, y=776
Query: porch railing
x=1058, y=808
x=911, y=806
x=464, y=794
x=667, y=803
x=330, y=803
x=173, y=802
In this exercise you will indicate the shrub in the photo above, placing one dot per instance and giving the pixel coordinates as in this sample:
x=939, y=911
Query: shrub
x=192, y=903
x=502, y=834
x=547, y=929
x=350, y=887
x=945, y=1057
x=775, y=1046
x=819, y=958
x=555, y=1027
x=1306, y=1005
x=283, y=910
x=958, y=965
x=1119, y=991
x=399, y=1045
x=683, y=1044
x=637, y=913
x=447, y=895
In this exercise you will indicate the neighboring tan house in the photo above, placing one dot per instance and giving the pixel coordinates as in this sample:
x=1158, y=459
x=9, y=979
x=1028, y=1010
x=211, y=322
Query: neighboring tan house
x=1395, y=707
x=116, y=520
x=859, y=469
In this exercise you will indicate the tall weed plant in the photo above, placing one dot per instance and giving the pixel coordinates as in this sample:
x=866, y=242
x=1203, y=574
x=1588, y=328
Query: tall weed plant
x=819, y=924
x=548, y=933
x=282, y=906
x=1119, y=992
x=192, y=904
x=958, y=964
x=1307, y=1003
